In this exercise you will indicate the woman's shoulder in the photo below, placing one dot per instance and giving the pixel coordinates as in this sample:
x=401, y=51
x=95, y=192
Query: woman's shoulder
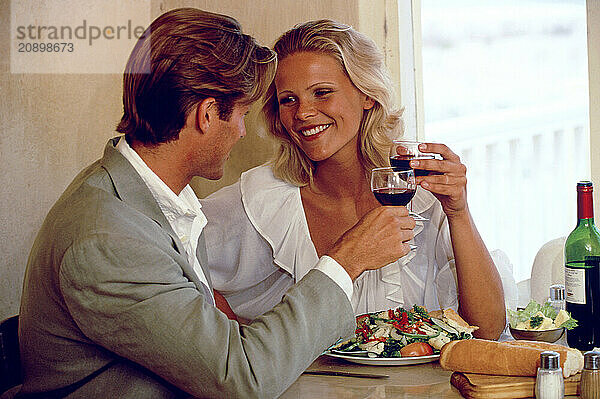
x=261, y=179
x=252, y=182
x=258, y=195
x=266, y=197
x=225, y=197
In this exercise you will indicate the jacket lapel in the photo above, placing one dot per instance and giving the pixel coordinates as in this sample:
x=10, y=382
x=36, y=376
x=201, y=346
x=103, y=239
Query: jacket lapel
x=130, y=188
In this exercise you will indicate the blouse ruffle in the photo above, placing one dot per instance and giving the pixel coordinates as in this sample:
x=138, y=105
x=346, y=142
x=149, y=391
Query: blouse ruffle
x=275, y=209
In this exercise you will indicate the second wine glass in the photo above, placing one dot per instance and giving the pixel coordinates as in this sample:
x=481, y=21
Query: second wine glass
x=404, y=151
x=393, y=187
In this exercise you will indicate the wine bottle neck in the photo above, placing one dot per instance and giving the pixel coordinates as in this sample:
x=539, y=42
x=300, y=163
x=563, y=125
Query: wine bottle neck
x=585, y=205
x=585, y=222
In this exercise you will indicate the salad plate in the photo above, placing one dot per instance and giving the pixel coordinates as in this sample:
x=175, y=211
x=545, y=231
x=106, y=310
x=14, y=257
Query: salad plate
x=401, y=337
x=385, y=361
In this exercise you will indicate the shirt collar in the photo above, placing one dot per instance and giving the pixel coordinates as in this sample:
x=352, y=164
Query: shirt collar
x=183, y=211
x=174, y=206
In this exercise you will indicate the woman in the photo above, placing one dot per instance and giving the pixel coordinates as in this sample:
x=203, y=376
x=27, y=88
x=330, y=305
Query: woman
x=331, y=110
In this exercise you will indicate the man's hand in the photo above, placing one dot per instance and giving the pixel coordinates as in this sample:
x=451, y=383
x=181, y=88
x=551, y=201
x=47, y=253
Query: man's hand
x=222, y=304
x=378, y=239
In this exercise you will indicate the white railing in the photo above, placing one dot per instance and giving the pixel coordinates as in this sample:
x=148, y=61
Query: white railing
x=523, y=166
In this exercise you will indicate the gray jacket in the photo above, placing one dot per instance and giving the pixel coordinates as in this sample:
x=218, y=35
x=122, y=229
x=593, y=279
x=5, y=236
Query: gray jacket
x=108, y=280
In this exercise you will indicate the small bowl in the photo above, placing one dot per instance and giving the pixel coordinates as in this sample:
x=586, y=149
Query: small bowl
x=538, y=335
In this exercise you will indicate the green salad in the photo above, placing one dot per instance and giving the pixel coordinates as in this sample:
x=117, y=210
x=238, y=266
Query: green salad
x=540, y=317
x=403, y=333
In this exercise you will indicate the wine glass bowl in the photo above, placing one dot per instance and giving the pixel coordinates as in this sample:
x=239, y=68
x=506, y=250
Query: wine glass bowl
x=404, y=151
x=393, y=187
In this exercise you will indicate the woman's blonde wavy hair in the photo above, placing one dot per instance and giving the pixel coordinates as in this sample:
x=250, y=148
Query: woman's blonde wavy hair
x=364, y=65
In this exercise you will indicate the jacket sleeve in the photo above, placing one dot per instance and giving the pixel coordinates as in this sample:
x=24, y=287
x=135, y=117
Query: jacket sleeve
x=133, y=299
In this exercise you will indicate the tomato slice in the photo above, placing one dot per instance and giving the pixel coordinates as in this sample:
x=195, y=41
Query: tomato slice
x=416, y=349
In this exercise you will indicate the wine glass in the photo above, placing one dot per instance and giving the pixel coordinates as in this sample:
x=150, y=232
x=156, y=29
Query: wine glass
x=393, y=187
x=404, y=151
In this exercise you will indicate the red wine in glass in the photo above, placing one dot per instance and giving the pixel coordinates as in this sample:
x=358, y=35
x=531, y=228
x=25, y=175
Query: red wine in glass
x=394, y=196
x=392, y=187
x=402, y=162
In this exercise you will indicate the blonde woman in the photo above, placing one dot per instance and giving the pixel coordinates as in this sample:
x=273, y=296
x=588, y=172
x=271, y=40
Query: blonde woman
x=331, y=109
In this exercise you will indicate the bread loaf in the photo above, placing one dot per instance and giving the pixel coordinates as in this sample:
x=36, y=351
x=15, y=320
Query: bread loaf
x=518, y=358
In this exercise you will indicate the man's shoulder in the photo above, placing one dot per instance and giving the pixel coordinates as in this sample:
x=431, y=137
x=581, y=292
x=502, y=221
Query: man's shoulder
x=91, y=203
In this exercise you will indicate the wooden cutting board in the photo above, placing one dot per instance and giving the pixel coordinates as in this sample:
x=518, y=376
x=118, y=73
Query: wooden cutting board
x=473, y=385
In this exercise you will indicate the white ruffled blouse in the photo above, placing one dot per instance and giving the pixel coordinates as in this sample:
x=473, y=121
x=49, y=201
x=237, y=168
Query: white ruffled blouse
x=259, y=245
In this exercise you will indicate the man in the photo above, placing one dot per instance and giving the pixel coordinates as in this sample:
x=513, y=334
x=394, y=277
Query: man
x=116, y=300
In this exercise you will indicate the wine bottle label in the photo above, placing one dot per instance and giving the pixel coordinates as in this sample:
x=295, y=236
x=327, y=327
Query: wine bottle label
x=575, y=285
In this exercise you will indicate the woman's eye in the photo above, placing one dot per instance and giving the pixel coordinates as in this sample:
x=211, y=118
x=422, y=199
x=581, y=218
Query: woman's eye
x=286, y=100
x=323, y=92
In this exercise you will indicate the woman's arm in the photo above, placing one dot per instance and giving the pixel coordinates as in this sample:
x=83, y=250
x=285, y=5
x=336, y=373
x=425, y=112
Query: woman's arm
x=480, y=293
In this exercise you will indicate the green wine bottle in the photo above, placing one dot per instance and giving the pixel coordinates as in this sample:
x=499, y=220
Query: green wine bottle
x=582, y=269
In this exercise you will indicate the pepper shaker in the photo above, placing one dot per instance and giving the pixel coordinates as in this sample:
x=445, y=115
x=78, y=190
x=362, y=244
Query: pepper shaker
x=549, y=383
x=589, y=386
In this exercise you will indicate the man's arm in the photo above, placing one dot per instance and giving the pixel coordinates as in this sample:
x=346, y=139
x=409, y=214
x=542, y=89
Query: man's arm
x=133, y=299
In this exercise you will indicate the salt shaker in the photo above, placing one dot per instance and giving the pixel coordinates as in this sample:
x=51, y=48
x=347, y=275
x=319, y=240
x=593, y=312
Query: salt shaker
x=589, y=386
x=557, y=297
x=557, y=301
x=549, y=383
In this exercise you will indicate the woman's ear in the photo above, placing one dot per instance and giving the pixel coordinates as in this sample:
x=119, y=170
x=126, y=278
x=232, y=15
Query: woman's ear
x=205, y=112
x=368, y=103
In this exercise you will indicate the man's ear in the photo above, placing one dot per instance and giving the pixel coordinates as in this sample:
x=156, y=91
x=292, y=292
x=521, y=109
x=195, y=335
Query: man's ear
x=205, y=113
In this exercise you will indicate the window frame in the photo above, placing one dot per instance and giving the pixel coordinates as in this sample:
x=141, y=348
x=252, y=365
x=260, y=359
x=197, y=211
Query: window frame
x=593, y=29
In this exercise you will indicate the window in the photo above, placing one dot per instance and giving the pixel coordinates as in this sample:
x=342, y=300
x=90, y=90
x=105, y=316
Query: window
x=505, y=85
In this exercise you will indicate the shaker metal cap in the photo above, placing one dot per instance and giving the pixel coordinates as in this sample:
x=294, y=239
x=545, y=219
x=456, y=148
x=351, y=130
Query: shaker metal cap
x=549, y=360
x=591, y=360
x=557, y=292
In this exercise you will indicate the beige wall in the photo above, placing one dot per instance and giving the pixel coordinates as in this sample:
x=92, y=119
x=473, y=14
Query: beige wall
x=52, y=125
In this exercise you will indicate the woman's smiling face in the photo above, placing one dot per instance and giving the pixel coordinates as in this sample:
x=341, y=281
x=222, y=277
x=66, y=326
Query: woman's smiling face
x=318, y=105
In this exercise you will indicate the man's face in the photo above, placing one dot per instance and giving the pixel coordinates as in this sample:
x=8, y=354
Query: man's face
x=222, y=136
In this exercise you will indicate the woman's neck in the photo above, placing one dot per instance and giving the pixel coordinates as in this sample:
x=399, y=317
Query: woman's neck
x=340, y=179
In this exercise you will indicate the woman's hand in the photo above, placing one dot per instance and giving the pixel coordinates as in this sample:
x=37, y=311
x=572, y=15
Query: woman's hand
x=448, y=180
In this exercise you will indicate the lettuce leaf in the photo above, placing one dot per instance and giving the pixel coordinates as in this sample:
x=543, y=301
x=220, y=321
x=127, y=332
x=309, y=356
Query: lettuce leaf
x=548, y=311
x=569, y=324
x=517, y=316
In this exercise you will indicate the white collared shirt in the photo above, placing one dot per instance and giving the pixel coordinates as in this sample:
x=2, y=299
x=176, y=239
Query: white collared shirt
x=183, y=211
